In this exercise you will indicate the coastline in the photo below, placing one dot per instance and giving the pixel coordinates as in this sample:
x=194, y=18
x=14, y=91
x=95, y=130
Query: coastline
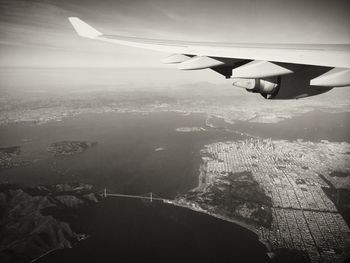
x=195, y=208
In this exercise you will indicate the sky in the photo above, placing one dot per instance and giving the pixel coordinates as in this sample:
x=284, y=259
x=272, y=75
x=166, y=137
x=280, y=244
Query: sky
x=36, y=33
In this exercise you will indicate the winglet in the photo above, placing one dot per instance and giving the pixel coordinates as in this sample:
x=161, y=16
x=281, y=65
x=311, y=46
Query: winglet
x=83, y=29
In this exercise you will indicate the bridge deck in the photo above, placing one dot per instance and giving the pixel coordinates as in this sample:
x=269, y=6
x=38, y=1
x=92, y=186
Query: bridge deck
x=137, y=196
x=242, y=224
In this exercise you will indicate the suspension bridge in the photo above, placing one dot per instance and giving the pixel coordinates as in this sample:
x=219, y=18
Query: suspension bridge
x=148, y=196
x=153, y=197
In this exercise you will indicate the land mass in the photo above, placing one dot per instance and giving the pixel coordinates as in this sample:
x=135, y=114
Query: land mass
x=9, y=157
x=37, y=220
x=293, y=194
x=238, y=196
x=190, y=129
x=49, y=103
x=69, y=147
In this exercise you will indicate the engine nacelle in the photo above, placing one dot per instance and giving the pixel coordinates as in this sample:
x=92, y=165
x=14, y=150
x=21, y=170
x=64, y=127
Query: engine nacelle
x=290, y=86
x=266, y=87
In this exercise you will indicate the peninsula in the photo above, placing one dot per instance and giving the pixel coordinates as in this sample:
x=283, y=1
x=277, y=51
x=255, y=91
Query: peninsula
x=282, y=190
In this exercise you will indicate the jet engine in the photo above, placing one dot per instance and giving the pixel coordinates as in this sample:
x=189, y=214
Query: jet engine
x=273, y=80
x=287, y=86
x=266, y=87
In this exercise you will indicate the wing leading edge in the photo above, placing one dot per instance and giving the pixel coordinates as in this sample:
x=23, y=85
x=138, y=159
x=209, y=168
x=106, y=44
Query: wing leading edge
x=273, y=60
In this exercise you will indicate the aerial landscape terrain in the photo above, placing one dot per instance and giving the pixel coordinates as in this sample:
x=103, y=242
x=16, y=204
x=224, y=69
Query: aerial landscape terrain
x=278, y=170
x=153, y=131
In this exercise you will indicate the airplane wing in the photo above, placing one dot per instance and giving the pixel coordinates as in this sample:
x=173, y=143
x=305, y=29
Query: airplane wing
x=276, y=71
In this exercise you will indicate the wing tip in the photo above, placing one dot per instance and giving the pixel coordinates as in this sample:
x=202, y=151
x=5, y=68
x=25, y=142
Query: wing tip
x=83, y=29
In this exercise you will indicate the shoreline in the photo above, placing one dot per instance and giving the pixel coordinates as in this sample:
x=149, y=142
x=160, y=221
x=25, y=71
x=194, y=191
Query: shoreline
x=200, y=210
x=264, y=242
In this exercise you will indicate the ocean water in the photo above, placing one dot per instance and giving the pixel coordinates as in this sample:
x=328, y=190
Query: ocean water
x=127, y=158
x=124, y=160
x=124, y=230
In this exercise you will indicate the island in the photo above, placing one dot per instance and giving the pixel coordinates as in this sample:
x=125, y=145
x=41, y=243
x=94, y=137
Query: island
x=293, y=194
x=190, y=129
x=9, y=157
x=159, y=149
x=69, y=147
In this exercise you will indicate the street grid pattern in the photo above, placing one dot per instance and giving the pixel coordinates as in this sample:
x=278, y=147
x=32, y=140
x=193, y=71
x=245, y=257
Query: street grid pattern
x=304, y=218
